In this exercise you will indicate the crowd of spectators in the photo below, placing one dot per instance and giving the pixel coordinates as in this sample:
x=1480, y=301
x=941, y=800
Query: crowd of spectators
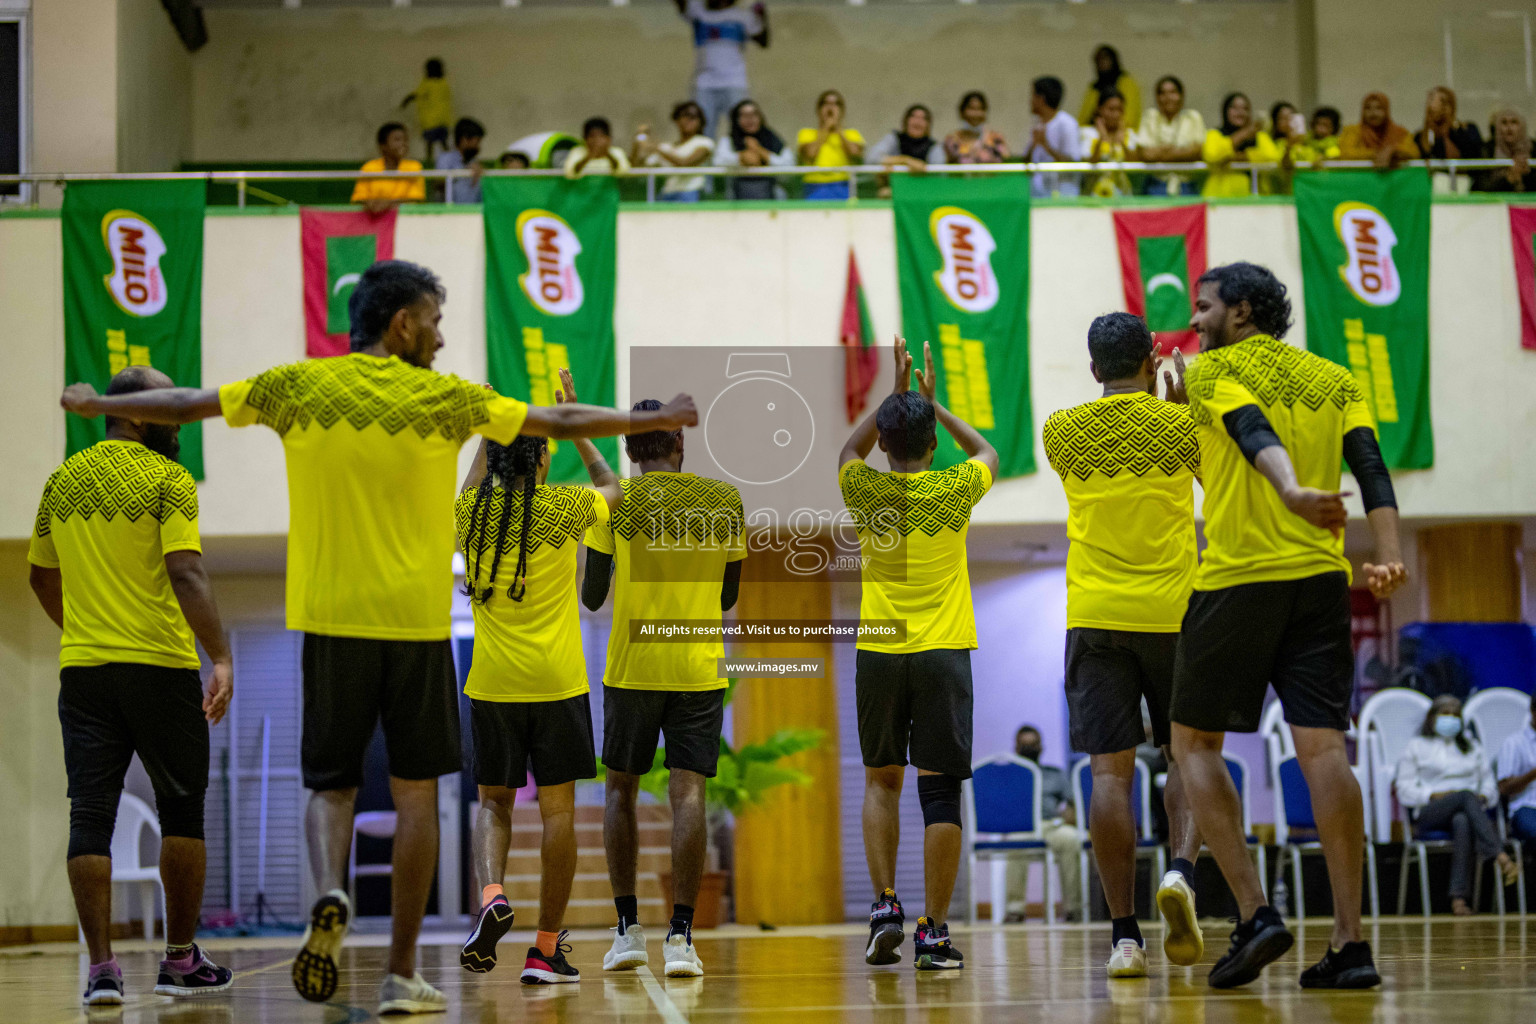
x=722, y=126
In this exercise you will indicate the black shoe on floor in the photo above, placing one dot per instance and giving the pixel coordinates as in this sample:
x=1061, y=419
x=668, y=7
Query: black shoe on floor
x=478, y=954
x=885, y=933
x=1349, y=967
x=1256, y=943
x=934, y=951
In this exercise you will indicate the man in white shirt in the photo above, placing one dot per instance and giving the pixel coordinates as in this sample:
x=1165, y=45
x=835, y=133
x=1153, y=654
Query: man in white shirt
x=720, y=33
x=1055, y=139
x=1517, y=778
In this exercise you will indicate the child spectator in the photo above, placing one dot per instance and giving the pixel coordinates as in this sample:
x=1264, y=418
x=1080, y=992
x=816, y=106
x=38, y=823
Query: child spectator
x=720, y=33
x=1238, y=138
x=751, y=143
x=1170, y=134
x=1107, y=77
x=468, y=134
x=829, y=145
x=1109, y=139
x=1377, y=137
x=909, y=146
x=691, y=149
x=596, y=154
x=1322, y=142
x=379, y=194
x=973, y=142
x=434, y=106
x=513, y=159
x=1054, y=138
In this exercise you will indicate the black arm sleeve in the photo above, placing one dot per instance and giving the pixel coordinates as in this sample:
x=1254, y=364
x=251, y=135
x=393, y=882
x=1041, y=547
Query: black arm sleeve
x=730, y=586
x=594, y=586
x=1250, y=428
x=1364, y=457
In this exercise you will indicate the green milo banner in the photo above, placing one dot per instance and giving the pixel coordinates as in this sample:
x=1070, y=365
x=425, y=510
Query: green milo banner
x=1365, y=272
x=133, y=292
x=551, y=259
x=962, y=253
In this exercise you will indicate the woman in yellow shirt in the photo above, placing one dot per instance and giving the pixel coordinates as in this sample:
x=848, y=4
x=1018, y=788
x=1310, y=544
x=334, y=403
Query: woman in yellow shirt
x=1238, y=138
x=1107, y=77
x=829, y=145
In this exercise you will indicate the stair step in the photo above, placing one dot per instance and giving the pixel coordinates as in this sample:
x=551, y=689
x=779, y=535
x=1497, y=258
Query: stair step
x=585, y=886
x=652, y=860
x=525, y=813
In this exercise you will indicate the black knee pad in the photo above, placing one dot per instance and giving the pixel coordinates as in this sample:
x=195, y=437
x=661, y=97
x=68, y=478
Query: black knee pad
x=92, y=817
x=181, y=816
x=940, y=797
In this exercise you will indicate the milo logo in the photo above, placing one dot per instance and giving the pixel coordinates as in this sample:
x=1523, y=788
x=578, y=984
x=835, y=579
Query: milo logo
x=966, y=246
x=136, y=283
x=551, y=283
x=1368, y=238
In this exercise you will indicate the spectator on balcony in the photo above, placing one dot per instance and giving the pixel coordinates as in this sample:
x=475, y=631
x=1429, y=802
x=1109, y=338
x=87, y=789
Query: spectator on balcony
x=691, y=149
x=751, y=143
x=1517, y=772
x=910, y=146
x=597, y=154
x=1238, y=138
x=468, y=134
x=513, y=159
x=1443, y=137
x=829, y=144
x=1511, y=141
x=974, y=142
x=1377, y=137
x=1107, y=77
x=1053, y=139
x=1170, y=134
x=721, y=30
x=1109, y=139
x=1321, y=143
x=434, y=106
x=379, y=194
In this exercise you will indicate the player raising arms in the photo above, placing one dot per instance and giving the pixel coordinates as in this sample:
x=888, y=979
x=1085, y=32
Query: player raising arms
x=528, y=684
x=914, y=692
x=1128, y=461
x=372, y=441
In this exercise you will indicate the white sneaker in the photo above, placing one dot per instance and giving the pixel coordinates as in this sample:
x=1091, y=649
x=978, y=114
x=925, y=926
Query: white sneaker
x=628, y=952
x=1182, y=942
x=1128, y=960
x=682, y=961
x=409, y=995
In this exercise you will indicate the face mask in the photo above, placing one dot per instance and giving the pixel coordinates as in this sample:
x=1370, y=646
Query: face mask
x=1448, y=726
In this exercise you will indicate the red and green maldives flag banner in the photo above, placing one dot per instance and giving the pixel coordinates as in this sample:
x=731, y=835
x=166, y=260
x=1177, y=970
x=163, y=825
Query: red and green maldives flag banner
x=133, y=292
x=551, y=263
x=857, y=336
x=338, y=247
x=1522, y=228
x=1365, y=277
x=1162, y=255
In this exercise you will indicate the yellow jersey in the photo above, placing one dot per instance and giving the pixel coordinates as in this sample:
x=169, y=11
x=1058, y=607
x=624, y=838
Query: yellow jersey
x=372, y=447
x=833, y=153
x=109, y=516
x=406, y=190
x=670, y=539
x=434, y=103
x=1311, y=403
x=1128, y=463
x=528, y=650
x=912, y=529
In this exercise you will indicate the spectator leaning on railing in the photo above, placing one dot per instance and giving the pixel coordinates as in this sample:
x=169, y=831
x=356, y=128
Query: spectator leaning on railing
x=1377, y=137
x=1108, y=76
x=468, y=135
x=691, y=149
x=1170, y=134
x=597, y=154
x=1443, y=137
x=751, y=143
x=910, y=146
x=379, y=194
x=1238, y=138
x=973, y=142
x=1321, y=143
x=829, y=144
x=1511, y=141
x=721, y=30
x=1053, y=139
x=1109, y=139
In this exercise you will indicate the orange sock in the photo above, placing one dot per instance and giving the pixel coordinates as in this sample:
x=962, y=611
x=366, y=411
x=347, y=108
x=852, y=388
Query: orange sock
x=546, y=942
x=489, y=893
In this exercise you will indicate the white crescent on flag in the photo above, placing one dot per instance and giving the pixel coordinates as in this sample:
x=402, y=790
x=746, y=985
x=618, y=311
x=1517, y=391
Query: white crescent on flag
x=351, y=279
x=1162, y=280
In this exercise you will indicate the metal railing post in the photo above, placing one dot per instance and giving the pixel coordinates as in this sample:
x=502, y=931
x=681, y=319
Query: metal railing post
x=240, y=193
x=1253, y=185
x=650, y=188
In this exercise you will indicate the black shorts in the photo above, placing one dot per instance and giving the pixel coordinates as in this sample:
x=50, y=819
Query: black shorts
x=554, y=736
x=919, y=700
x=1236, y=642
x=108, y=713
x=350, y=684
x=1108, y=672
x=691, y=720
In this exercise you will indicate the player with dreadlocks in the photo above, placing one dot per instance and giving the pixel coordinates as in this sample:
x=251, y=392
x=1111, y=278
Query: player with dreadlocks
x=528, y=684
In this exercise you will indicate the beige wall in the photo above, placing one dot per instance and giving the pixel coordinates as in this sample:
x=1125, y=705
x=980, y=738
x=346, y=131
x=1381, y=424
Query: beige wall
x=154, y=90
x=74, y=85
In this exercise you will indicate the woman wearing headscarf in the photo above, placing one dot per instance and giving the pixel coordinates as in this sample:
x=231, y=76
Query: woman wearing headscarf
x=1238, y=138
x=911, y=146
x=973, y=142
x=1377, y=137
x=1443, y=137
x=751, y=143
x=1511, y=141
x=1107, y=75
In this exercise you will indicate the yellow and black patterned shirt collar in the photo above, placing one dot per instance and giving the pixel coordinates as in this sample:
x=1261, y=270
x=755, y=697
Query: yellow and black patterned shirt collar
x=117, y=478
x=1133, y=434
x=1276, y=374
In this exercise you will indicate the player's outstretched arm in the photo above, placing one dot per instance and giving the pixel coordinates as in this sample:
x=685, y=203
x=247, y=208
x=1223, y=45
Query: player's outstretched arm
x=572, y=420
x=862, y=440
x=966, y=436
x=1363, y=455
x=195, y=595
x=604, y=479
x=158, y=405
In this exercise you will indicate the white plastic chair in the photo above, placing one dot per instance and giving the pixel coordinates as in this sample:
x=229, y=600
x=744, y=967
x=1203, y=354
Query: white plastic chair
x=1274, y=724
x=1497, y=714
x=1002, y=823
x=1388, y=721
x=375, y=825
x=1147, y=845
x=133, y=817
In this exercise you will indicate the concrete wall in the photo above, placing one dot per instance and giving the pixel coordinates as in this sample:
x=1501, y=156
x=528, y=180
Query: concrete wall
x=74, y=85
x=154, y=90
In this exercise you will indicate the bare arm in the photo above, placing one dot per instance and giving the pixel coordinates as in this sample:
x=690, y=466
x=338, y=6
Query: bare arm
x=48, y=585
x=158, y=405
x=572, y=420
x=195, y=595
x=1323, y=509
x=862, y=440
x=855, y=150
x=966, y=436
x=808, y=150
x=1516, y=783
x=761, y=39
x=603, y=477
x=476, y=469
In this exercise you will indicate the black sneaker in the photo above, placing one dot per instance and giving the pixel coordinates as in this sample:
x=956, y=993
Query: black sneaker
x=885, y=933
x=105, y=988
x=1349, y=967
x=204, y=977
x=1256, y=943
x=550, y=970
x=934, y=950
x=479, y=952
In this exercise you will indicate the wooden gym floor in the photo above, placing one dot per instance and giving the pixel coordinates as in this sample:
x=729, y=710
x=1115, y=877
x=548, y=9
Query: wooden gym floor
x=1448, y=971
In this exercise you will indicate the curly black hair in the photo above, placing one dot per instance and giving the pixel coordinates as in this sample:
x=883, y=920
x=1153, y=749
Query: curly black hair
x=505, y=464
x=1263, y=291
